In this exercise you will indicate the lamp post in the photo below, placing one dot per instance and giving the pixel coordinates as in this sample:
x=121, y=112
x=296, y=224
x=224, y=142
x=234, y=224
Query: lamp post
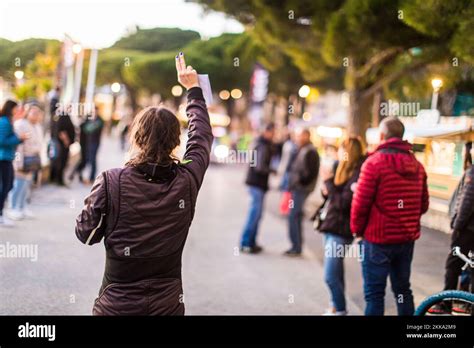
x=303, y=93
x=177, y=92
x=436, y=83
x=115, y=88
x=229, y=99
x=19, y=74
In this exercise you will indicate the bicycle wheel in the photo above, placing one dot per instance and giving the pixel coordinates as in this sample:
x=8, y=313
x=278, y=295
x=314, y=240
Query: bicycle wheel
x=447, y=295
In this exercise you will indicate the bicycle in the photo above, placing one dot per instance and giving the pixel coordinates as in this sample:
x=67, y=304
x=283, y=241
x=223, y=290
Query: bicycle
x=450, y=295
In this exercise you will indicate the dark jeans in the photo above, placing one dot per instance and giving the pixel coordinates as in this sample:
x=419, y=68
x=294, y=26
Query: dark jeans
x=464, y=240
x=6, y=181
x=379, y=262
x=59, y=165
x=93, y=148
x=81, y=165
x=249, y=234
x=295, y=219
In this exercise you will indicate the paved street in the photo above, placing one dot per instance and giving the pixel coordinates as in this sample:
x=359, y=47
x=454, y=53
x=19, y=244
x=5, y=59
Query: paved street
x=217, y=280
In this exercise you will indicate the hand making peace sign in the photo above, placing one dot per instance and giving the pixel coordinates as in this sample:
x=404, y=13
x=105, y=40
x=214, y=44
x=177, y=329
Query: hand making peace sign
x=187, y=76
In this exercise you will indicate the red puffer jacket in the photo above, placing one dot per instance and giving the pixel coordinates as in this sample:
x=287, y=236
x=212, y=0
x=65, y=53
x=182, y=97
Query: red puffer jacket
x=391, y=195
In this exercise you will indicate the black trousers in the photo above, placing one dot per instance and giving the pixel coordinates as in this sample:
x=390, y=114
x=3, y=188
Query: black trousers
x=6, y=181
x=59, y=165
x=465, y=241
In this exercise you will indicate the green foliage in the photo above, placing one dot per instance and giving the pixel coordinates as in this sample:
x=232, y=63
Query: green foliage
x=367, y=42
x=25, y=51
x=157, y=39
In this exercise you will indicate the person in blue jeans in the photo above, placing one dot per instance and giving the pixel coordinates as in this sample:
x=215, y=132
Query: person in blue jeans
x=302, y=178
x=334, y=219
x=8, y=143
x=387, y=260
x=257, y=181
x=390, y=196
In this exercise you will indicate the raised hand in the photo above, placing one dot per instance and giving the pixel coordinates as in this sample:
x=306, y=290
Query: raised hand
x=187, y=76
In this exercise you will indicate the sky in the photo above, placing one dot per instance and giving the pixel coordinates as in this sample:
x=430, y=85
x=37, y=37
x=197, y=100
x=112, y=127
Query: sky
x=99, y=23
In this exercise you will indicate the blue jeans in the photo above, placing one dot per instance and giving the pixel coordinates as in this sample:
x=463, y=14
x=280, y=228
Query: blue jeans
x=20, y=193
x=334, y=268
x=249, y=234
x=295, y=218
x=93, y=148
x=379, y=262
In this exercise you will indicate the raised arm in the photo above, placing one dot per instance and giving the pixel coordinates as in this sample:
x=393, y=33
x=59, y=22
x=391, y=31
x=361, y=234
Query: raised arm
x=198, y=147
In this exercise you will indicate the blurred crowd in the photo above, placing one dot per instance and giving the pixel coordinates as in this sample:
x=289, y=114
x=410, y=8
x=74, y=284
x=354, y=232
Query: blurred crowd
x=372, y=202
x=35, y=149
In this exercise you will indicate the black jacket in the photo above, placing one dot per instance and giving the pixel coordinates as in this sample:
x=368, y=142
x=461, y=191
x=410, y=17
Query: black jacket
x=463, y=219
x=260, y=169
x=338, y=216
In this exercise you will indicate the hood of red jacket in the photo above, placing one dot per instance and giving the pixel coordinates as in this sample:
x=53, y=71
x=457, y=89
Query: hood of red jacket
x=399, y=156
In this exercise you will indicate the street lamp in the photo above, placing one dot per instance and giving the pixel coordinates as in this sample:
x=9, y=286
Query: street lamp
x=19, y=74
x=177, y=91
x=436, y=83
x=236, y=93
x=115, y=87
x=224, y=94
x=303, y=93
x=76, y=48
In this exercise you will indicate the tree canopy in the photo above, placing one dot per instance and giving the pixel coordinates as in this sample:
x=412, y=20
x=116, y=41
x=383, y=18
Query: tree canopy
x=375, y=42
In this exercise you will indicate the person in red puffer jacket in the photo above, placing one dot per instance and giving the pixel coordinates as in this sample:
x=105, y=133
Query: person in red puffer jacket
x=390, y=197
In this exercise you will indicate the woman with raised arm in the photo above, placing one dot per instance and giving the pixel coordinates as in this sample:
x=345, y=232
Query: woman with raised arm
x=143, y=211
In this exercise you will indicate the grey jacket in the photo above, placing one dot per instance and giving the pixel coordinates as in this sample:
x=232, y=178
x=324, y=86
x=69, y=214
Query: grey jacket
x=304, y=169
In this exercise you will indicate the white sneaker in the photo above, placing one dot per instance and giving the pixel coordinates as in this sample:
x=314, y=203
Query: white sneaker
x=4, y=222
x=28, y=214
x=16, y=215
x=333, y=312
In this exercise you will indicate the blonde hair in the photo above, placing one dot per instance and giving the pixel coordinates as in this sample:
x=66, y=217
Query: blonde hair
x=353, y=152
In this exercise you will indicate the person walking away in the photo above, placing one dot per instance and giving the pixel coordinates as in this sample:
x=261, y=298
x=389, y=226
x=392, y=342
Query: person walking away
x=64, y=134
x=302, y=181
x=93, y=130
x=462, y=225
x=257, y=182
x=81, y=165
x=390, y=197
x=144, y=210
x=8, y=143
x=335, y=226
x=27, y=161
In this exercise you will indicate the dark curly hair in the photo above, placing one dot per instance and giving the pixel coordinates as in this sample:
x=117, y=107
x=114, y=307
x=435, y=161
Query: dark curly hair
x=154, y=135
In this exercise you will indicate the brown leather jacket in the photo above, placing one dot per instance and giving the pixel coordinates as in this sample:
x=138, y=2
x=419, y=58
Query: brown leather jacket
x=143, y=214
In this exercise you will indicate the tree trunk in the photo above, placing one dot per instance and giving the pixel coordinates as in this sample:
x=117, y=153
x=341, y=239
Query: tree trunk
x=377, y=100
x=133, y=99
x=359, y=113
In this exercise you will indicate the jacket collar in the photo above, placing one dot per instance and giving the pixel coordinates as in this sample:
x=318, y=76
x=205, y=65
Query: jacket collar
x=395, y=144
